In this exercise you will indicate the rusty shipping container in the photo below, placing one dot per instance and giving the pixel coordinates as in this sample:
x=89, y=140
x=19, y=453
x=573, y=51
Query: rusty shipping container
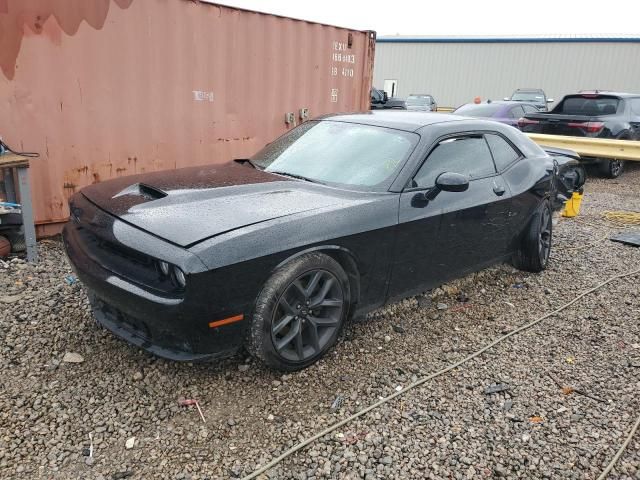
x=106, y=88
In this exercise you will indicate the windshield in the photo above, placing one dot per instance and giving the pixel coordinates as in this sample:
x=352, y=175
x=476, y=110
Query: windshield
x=338, y=152
x=479, y=110
x=418, y=100
x=535, y=97
x=590, y=106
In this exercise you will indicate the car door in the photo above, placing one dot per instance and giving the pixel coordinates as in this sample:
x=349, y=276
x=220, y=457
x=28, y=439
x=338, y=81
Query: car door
x=454, y=232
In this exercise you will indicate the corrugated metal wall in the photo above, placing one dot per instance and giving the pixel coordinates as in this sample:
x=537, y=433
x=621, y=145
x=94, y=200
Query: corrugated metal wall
x=106, y=88
x=456, y=72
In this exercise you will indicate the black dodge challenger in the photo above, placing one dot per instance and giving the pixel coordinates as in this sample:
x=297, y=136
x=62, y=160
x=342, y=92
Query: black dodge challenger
x=335, y=218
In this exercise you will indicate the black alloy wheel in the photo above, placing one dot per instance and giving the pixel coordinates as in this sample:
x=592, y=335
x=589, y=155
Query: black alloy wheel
x=532, y=255
x=544, y=236
x=612, y=168
x=307, y=315
x=615, y=168
x=300, y=312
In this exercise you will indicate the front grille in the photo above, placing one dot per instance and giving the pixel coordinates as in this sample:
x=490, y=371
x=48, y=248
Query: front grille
x=125, y=262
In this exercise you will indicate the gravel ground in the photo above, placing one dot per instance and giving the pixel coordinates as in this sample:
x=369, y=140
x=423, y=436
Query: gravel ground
x=565, y=392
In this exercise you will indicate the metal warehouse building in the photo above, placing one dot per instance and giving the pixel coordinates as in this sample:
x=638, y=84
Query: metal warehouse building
x=456, y=69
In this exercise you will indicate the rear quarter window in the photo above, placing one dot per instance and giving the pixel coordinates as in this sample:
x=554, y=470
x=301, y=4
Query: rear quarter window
x=503, y=153
x=527, y=146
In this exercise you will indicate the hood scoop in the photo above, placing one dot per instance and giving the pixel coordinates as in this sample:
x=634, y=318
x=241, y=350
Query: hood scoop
x=142, y=190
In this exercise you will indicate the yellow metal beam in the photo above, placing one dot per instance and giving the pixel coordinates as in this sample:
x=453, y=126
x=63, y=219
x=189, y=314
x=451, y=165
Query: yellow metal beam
x=591, y=147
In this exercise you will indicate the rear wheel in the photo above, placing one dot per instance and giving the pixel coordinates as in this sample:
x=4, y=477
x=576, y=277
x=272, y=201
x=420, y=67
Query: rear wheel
x=300, y=312
x=611, y=168
x=535, y=246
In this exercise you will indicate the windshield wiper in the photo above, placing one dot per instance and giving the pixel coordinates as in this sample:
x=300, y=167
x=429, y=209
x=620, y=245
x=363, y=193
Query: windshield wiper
x=293, y=175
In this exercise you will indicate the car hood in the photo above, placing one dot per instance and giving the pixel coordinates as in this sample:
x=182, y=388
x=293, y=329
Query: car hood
x=186, y=206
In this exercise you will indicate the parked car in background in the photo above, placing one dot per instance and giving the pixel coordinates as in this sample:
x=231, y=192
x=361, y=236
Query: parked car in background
x=380, y=100
x=598, y=114
x=335, y=218
x=421, y=102
x=535, y=96
x=500, y=111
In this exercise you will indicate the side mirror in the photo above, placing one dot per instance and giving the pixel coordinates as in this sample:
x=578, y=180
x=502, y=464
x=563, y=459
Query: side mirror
x=452, y=182
x=506, y=99
x=550, y=100
x=385, y=97
x=446, y=182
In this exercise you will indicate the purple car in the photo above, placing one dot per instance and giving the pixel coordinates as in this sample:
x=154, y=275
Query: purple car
x=501, y=111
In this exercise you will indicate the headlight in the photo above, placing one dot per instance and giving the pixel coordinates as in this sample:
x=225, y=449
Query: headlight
x=164, y=268
x=180, y=278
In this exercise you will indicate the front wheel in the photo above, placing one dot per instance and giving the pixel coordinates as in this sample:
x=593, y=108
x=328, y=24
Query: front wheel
x=535, y=246
x=300, y=312
x=612, y=168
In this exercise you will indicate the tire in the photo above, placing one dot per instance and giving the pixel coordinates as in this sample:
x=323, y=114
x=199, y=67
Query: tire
x=299, y=313
x=611, y=168
x=535, y=245
x=18, y=242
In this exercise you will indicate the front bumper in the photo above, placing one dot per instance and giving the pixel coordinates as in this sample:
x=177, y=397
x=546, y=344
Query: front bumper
x=162, y=342
x=167, y=324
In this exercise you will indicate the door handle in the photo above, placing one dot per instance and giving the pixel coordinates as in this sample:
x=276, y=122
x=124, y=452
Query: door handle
x=498, y=190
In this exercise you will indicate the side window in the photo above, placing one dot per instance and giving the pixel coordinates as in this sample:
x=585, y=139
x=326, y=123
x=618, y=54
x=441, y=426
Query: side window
x=635, y=106
x=503, y=153
x=468, y=155
x=516, y=112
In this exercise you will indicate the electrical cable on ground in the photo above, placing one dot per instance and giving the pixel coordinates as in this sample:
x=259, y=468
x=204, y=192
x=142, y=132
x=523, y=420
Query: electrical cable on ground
x=453, y=366
x=617, y=456
x=620, y=219
x=623, y=218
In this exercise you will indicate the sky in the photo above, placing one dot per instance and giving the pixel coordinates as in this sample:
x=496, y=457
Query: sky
x=460, y=17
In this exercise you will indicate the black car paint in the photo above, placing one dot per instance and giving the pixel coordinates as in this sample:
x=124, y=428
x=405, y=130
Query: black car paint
x=384, y=240
x=624, y=124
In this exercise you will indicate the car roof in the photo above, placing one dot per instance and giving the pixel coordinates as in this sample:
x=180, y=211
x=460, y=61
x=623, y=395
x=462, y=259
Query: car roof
x=509, y=102
x=603, y=92
x=529, y=90
x=399, y=119
x=505, y=103
x=420, y=94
